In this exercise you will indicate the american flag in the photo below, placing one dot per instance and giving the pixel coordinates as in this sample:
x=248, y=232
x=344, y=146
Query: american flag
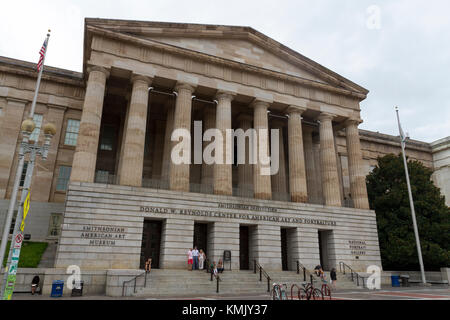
x=42, y=55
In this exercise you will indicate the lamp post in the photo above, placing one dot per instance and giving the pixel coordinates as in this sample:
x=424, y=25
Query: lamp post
x=31, y=147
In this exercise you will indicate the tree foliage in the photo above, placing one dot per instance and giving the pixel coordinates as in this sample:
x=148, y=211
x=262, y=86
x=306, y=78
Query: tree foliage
x=388, y=196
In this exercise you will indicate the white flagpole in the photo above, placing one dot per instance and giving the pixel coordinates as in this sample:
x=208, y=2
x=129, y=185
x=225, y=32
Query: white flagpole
x=38, y=83
x=27, y=182
x=411, y=202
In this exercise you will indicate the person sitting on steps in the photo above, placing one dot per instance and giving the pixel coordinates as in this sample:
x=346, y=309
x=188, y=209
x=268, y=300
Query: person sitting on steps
x=220, y=266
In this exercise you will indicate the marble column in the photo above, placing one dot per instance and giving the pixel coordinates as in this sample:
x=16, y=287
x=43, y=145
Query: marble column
x=85, y=157
x=209, y=122
x=136, y=125
x=245, y=171
x=179, y=173
x=310, y=165
x=355, y=166
x=279, y=182
x=223, y=179
x=297, y=172
x=165, y=169
x=330, y=179
x=157, y=158
x=261, y=183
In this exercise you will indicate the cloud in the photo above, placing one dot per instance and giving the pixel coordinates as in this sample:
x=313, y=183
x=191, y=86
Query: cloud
x=403, y=63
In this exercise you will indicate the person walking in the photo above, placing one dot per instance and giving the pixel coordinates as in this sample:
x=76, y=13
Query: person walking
x=195, y=257
x=201, y=259
x=190, y=259
x=333, y=278
x=214, y=269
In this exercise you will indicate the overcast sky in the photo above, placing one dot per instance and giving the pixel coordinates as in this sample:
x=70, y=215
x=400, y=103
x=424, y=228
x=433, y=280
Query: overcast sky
x=397, y=49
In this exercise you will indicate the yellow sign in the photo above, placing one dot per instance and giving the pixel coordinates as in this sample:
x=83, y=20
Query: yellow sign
x=26, y=208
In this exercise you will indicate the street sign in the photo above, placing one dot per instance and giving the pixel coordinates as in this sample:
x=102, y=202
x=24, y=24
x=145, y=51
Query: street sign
x=26, y=208
x=14, y=265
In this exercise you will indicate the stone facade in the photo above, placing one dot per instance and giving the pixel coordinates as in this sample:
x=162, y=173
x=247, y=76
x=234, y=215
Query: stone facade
x=141, y=81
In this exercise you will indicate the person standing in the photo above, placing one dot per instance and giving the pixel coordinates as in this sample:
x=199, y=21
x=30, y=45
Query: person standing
x=201, y=259
x=190, y=259
x=333, y=278
x=195, y=257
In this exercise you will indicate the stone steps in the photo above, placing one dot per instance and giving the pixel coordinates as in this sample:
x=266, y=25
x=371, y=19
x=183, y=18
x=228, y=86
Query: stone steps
x=162, y=283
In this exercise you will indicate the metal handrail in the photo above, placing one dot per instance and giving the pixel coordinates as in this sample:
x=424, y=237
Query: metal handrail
x=342, y=266
x=261, y=273
x=305, y=272
x=134, y=279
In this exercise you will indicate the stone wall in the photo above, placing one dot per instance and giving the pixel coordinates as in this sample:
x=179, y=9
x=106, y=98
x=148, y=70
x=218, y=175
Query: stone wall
x=103, y=226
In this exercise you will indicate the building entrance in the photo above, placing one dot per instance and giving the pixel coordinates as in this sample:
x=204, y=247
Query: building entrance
x=201, y=237
x=284, y=250
x=244, y=248
x=324, y=249
x=151, y=243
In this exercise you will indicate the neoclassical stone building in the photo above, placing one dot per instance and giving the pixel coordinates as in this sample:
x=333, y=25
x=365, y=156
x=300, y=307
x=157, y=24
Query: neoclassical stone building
x=110, y=194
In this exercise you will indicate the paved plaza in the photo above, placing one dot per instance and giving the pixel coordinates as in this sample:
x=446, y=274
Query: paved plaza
x=411, y=293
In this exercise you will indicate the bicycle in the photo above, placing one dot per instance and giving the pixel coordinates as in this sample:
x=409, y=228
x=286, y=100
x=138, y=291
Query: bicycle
x=308, y=292
x=279, y=292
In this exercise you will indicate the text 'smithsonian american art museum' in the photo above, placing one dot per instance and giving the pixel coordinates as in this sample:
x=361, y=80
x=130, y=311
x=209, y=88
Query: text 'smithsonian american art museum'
x=110, y=195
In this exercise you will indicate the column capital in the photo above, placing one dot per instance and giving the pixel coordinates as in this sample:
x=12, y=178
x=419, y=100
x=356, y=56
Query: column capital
x=221, y=94
x=352, y=122
x=137, y=77
x=295, y=109
x=99, y=69
x=257, y=103
x=184, y=85
x=57, y=107
x=324, y=116
x=308, y=129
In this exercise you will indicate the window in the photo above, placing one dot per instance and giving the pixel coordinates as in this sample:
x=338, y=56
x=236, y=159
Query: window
x=107, y=138
x=101, y=176
x=54, y=229
x=63, y=178
x=37, y=118
x=1, y=111
x=24, y=174
x=73, y=126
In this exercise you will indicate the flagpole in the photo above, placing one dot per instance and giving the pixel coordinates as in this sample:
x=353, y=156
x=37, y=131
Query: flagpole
x=38, y=83
x=24, y=148
x=411, y=201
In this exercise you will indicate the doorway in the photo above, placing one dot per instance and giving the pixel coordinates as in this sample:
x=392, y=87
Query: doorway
x=201, y=237
x=244, y=248
x=324, y=249
x=284, y=250
x=151, y=243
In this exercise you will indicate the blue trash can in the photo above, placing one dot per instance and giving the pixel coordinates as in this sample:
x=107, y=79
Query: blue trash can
x=57, y=288
x=395, y=281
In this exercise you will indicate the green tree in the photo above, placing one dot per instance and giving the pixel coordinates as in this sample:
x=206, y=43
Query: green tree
x=388, y=196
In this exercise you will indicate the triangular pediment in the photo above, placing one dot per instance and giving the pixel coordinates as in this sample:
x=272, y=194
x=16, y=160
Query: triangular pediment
x=242, y=45
x=238, y=50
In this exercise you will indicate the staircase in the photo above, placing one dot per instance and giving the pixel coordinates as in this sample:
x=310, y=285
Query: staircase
x=179, y=283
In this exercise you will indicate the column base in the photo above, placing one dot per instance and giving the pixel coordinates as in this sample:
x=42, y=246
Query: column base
x=299, y=198
x=263, y=196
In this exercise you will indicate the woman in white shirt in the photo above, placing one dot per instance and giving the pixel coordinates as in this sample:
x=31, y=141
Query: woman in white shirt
x=201, y=259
